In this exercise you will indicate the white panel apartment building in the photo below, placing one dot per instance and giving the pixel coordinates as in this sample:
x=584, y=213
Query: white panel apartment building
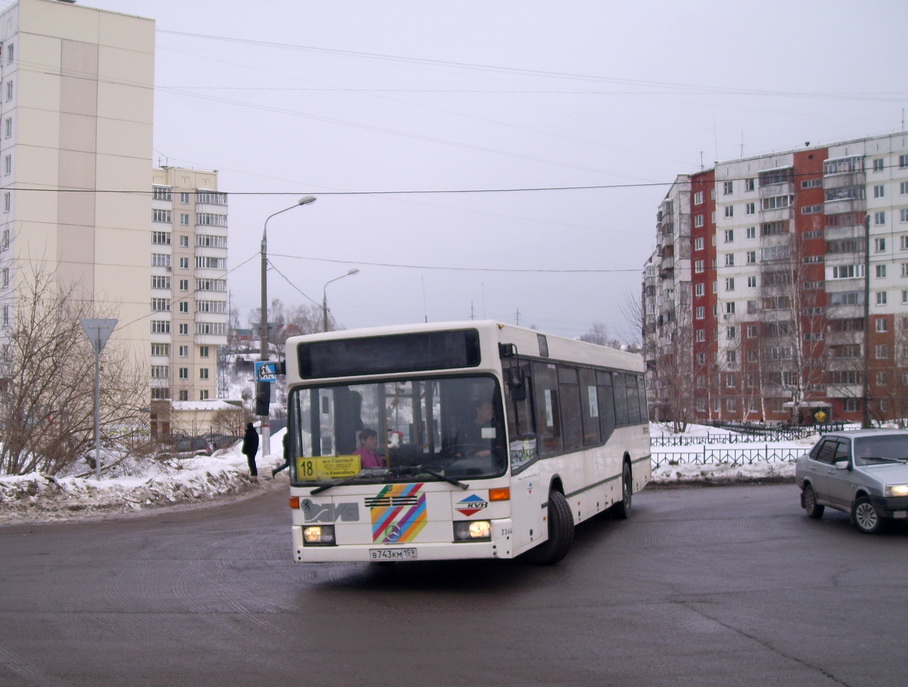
x=780, y=287
x=188, y=287
x=76, y=107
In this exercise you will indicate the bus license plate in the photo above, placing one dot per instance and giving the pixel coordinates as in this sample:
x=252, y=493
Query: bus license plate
x=392, y=554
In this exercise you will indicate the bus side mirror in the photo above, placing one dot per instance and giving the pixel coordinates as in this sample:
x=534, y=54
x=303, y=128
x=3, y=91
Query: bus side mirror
x=517, y=383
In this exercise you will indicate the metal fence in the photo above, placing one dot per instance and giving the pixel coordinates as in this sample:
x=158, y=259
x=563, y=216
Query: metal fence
x=729, y=456
x=745, y=435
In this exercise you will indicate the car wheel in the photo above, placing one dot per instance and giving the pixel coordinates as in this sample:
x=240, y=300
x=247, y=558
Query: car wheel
x=561, y=533
x=809, y=501
x=865, y=517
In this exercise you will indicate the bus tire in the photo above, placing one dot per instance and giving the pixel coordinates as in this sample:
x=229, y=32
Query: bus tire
x=622, y=509
x=561, y=532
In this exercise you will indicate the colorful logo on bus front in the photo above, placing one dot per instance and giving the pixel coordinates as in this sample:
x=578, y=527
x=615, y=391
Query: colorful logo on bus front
x=398, y=513
x=471, y=505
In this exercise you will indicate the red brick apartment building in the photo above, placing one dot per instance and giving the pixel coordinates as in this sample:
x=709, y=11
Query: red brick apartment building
x=778, y=290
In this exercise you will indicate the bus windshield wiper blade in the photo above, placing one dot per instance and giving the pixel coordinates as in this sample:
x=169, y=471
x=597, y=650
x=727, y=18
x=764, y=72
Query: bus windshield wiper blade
x=415, y=469
x=324, y=487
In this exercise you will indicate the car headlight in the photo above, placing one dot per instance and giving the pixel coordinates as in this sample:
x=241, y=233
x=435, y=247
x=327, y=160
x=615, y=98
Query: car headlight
x=896, y=490
x=472, y=530
x=318, y=535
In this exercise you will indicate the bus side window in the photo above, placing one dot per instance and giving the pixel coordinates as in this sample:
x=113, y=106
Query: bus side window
x=606, y=404
x=571, y=413
x=589, y=400
x=548, y=412
x=620, y=400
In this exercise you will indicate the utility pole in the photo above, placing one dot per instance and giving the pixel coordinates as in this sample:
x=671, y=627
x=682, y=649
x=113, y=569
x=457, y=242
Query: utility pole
x=866, y=422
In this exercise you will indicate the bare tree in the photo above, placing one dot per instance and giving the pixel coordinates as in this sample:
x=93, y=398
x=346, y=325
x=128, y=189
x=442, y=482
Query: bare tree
x=47, y=383
x=598, y=334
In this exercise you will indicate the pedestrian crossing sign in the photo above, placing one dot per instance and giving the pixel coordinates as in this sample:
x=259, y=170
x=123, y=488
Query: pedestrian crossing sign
x=266, y=371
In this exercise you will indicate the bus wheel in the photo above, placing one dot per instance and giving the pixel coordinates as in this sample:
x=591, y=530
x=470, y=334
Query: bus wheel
x=561, y=532
x=622, y=509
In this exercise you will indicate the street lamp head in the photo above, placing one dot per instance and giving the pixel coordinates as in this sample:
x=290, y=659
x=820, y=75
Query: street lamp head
x=355, y=270
x=305, y=200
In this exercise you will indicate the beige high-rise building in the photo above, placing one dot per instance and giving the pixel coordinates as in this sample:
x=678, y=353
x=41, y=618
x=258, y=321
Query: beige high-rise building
x=188, y=295
x=76, y=106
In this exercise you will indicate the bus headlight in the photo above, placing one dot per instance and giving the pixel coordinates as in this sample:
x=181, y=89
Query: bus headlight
x=896, y=490
x=319, y=535
x=472, y=530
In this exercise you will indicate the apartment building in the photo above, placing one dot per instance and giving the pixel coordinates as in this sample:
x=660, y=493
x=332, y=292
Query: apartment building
x=188, y=287
x=76, y=106
x=778, y=290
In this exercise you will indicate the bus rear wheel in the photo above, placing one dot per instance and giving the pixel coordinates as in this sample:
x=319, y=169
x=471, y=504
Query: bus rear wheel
x=561, y=532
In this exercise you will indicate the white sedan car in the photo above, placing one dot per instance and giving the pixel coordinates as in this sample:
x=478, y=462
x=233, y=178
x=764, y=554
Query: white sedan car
x=864, y=473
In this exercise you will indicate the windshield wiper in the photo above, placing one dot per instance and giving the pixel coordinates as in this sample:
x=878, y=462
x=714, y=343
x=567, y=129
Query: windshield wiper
x=416, y=469
x=324, y=487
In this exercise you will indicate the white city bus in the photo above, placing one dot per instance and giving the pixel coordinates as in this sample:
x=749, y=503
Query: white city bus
x=492, y=441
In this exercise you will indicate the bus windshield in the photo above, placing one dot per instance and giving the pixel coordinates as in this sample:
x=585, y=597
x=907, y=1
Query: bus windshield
x=411, y=429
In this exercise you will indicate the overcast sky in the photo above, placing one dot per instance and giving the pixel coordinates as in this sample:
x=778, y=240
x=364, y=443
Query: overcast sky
x=365, y=104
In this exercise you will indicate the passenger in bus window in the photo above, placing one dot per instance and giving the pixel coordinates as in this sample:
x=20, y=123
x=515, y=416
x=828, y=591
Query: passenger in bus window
x=476, y=435
x=368, y=440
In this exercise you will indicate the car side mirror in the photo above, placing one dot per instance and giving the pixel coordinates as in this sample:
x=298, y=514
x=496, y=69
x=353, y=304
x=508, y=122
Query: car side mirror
x=843, y=465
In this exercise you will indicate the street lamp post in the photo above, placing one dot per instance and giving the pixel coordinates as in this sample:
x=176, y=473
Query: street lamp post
x=263, y=389
x=325, y=296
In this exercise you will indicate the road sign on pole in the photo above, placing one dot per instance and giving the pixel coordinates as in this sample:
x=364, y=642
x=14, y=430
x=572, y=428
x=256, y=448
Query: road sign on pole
x=98, y=332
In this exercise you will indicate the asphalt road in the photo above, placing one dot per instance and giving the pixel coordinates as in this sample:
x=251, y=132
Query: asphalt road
x=702, y=586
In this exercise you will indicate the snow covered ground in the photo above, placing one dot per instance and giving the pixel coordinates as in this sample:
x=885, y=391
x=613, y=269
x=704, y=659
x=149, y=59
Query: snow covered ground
x=193, y=482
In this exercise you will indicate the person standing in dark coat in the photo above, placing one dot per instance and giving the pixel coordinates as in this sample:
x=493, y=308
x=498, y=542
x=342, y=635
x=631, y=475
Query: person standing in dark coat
x=250, y=448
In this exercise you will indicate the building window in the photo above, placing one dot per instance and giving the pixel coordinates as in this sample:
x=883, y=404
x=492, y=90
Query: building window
x=184, y=329
x=730, y=284
x=160, y=327
x=879, y=217
x=881, y=271
x=8, y=127
x=7, y=164
x=698, y=266
x=879, y=164
x=184, y=263
x=750, y=209
x=184, y=351
x=882, y=352
x=879, y=191
x=700, y=312
x=184, y=241
x=7, y=202
x=881, y=298
x=751, y=282
x=729, y=210
x=160, y=238
x=184, y=306
x=882, y=324
x=751, y=257
x=700, y=335
x=812, y=210
x=749, y=184
x=160, y=304
x=729, y=235
x=698, y=243
x=203, y=373
x=728, y=187
x=698, y=198
x=903, y=161
x=699, y=290
x=9, y=89
x=204, y=351
x=161, y=193
x=184, y=373
x=184, y=394
x=160, y=260
x=184, y=198
x=203, y=394
x=160, y=282
x=160, y=216
x=698, y=219
x=729, y=259
x=184, y=285
x=184, y=219
x=161, y=349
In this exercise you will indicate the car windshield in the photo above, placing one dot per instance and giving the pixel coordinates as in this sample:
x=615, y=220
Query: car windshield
x=405, y=430
x=882, y=449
